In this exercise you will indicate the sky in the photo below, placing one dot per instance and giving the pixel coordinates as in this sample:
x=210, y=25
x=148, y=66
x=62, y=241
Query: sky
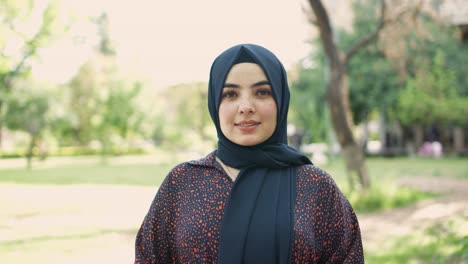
x=170, y=42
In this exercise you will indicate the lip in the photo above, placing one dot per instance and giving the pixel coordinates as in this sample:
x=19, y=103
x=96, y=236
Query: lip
x=247, y=123
x=247, y=126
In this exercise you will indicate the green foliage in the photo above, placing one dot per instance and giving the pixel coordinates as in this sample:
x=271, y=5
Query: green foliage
x=308, y=107
x=83, y=103
x=438, y=38
x=436, y=90
x=373, y=83
x=185, y=117
x=385, y=196
x=432, y=97
x=120, y=112
x=83, y=151
x=27, y=111
x=439, y=243
x=15, y=66
x=101, y=106
x=14, y=59
x=105, y=44
x=13, y=10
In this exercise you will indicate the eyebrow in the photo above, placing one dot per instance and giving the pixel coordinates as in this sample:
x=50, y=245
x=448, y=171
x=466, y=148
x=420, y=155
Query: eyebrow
x=233, y=85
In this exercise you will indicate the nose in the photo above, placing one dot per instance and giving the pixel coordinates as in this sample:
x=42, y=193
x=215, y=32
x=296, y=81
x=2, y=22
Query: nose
x=246, y=106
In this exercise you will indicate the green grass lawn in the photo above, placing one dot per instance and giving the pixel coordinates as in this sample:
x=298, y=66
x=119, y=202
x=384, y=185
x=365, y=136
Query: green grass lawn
x=138, y=174
x=383, y=195
x=439, y=243
x=143, y=174
x=391, y=168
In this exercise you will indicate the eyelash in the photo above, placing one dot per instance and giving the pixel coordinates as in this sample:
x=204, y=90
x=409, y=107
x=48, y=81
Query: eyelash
x=260, y=92
x=265, y=92
x=228, y=94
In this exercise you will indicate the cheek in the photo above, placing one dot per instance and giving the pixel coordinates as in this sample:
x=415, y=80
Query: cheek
x=224, y=114
x=271, y=112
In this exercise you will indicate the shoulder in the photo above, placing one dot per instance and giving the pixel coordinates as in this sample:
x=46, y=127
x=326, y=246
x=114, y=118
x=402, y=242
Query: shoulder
x=188, y=168
x=313, y=173
x=314, y=181
x=207, y=161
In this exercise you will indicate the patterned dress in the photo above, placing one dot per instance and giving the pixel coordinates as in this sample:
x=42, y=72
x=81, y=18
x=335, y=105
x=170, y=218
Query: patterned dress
x=184, y=221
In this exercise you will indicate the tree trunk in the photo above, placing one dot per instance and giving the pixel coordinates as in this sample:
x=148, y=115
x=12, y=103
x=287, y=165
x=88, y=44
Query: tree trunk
x=355, y=167
x=338, y=102
x=458, y=140
x=29, y=154
x=383, y=132
x=418, y=136
x=364, y=140
x=337, y=95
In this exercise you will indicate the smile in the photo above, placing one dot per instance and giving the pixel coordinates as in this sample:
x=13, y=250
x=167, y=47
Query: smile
x=248, y=123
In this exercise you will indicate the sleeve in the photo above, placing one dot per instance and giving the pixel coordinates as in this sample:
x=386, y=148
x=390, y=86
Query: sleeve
x=155, y=238
x=340, y=234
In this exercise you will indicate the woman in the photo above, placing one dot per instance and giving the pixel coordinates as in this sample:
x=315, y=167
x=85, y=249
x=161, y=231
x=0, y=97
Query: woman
x=254, y=199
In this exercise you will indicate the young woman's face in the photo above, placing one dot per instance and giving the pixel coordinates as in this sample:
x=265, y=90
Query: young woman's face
x=247, y=112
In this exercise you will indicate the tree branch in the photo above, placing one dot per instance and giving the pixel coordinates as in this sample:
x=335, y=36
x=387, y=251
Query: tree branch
x=326, y=33
x=309, y=17
x=370, y=37
x=382, y=23
x=30, y=49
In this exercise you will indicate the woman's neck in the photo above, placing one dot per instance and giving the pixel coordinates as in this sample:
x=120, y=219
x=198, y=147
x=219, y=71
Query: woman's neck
x=230, y=171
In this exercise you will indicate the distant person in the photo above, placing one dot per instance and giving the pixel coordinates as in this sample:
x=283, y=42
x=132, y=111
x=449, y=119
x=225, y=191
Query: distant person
x=254, y=199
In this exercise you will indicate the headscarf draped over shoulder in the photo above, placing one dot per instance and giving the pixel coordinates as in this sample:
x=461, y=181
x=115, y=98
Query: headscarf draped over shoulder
x=258, y=219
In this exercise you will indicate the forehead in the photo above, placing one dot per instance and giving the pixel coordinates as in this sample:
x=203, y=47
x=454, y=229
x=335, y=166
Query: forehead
x=245, y=72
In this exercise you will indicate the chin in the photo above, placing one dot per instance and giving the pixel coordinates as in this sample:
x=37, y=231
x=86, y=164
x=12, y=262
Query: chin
x=248, y=142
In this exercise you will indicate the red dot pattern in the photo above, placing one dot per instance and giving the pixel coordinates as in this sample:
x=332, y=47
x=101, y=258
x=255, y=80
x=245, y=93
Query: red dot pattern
x=184, y=221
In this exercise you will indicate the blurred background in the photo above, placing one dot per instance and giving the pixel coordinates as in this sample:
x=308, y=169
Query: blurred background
x=100, y=99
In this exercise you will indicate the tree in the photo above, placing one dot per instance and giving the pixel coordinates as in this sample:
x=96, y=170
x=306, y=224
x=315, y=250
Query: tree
x=101, y=102
x=15, y=63
x=84, y=102
x=186, y=113
x=119, y=114
x=308, y=102
x=27, y=111
x=429, y=57
x=373, y=82
x=338, y=88
x=432, y=97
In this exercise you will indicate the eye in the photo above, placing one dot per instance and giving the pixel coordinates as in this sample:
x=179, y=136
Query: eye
x=229, y=94
x=264, y=92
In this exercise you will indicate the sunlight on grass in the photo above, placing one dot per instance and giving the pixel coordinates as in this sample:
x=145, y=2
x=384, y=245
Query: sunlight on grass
x=139, y=174
x=22, y=244
x=385, y=196
x=80, y=248
x=380, y=168
x=153, y=174
x=440, y=243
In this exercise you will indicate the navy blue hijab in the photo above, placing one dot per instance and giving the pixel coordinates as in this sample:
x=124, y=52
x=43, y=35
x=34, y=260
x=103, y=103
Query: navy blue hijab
x=257, y=224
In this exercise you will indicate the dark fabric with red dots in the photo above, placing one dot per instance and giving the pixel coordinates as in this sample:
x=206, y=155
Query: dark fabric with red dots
x=184, y=220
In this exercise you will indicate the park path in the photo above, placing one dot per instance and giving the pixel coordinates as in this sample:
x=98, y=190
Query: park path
x=71, y=223
x=378, y=228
